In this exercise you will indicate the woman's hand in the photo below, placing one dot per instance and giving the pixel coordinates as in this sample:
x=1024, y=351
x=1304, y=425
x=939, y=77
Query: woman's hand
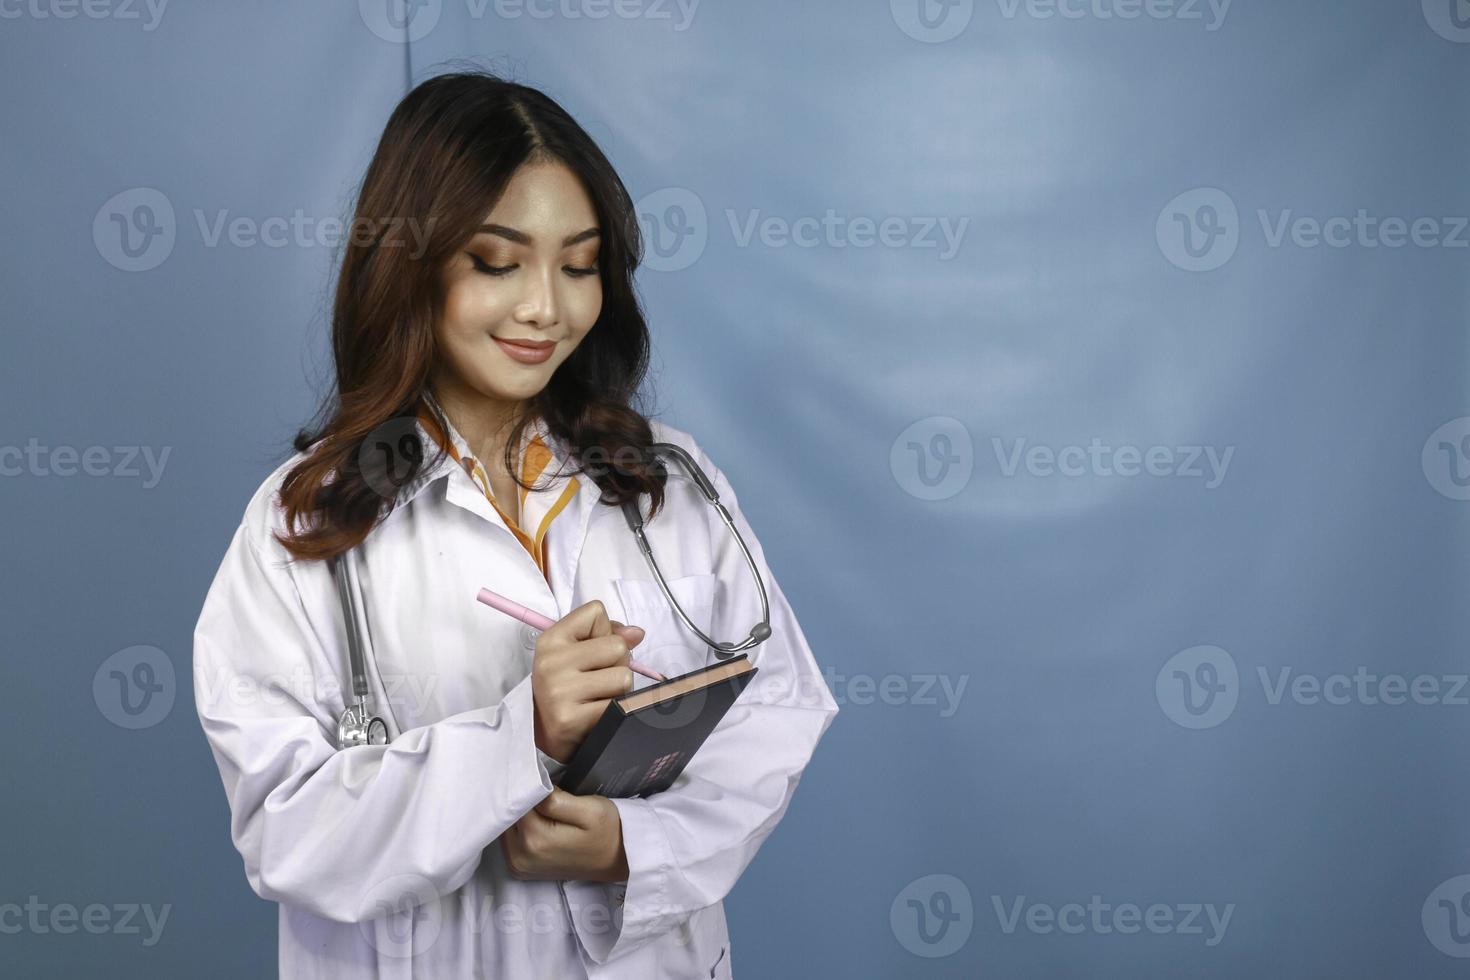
x=567, y=838
x=581, y=663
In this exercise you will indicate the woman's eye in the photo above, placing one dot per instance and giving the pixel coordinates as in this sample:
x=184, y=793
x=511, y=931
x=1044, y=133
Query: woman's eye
x=500, y=270
x=483, y=266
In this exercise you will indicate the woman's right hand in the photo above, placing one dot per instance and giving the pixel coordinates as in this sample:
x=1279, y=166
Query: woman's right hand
x=581, y=664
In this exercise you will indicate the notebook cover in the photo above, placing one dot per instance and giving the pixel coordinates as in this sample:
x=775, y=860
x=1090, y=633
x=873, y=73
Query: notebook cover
x=642, y=752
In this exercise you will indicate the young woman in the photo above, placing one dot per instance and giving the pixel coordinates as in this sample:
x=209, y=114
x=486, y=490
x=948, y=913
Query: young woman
x=488, y=343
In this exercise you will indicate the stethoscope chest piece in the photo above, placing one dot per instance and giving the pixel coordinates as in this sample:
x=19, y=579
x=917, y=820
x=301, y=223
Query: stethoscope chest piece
x=356, y=728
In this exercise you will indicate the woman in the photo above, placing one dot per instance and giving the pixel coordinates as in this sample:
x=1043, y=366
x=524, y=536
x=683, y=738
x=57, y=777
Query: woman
x=488, y=343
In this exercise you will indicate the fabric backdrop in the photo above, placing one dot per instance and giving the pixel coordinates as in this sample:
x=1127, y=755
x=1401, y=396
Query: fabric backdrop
x=1092, y=371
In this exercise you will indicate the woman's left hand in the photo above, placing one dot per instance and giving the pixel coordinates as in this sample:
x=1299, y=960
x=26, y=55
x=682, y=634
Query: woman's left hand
x=567, y=837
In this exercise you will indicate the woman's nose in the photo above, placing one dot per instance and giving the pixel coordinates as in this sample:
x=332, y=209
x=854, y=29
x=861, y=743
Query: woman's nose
x=539, y=305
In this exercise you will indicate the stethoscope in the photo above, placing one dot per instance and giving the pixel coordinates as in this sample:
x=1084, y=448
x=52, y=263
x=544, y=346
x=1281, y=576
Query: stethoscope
x=358, y=725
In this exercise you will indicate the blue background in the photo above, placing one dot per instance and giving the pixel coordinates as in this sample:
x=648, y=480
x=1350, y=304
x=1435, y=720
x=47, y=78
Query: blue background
x=854, y=391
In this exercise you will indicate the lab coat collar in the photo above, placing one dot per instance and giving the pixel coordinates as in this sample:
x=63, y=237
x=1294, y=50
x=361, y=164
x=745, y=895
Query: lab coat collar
x=431, y=440
x=569, y=530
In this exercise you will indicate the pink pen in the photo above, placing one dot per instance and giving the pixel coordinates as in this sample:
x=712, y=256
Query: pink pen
x=534, y=619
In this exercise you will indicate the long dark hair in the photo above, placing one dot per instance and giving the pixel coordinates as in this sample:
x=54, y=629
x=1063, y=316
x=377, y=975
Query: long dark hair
x=445, y=157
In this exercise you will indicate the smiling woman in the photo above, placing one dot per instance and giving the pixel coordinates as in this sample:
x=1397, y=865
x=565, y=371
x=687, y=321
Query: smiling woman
x=522, y=285
x=516, y=306
x=484, y=379
x=518, y=302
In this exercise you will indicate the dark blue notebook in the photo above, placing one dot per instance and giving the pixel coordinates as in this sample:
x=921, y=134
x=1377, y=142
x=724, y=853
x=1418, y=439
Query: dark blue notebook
x=645, y=739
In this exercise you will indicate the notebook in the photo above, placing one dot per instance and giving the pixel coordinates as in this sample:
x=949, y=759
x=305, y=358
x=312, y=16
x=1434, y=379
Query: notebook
x=645, y=738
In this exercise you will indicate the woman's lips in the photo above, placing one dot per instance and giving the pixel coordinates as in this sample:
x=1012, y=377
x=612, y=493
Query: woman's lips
x=527, y=352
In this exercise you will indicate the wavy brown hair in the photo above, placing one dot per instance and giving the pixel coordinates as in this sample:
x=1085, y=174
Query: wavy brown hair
x=445, y=157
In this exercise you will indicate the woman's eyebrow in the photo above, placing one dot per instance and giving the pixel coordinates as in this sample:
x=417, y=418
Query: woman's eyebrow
x=522, y=238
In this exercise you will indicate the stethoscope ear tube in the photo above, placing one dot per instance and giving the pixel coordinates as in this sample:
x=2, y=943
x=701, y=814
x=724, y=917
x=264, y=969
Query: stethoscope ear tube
x=351, y=613
x=761, y=631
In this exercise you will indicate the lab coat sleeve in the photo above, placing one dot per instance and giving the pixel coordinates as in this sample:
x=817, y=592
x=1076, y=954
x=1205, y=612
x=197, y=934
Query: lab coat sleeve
x=687, y=846
x=554, y=769
x=325, y=830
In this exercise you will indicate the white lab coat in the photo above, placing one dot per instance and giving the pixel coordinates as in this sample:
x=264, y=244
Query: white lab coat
x=384, y=859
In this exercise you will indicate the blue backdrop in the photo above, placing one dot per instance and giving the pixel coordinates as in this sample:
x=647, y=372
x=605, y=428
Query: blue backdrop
x=1092, y=371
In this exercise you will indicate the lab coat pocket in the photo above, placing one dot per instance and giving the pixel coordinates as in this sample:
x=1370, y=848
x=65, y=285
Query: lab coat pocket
x=668, y=645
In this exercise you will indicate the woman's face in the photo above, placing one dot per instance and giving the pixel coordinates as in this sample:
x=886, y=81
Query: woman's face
x=529, y=275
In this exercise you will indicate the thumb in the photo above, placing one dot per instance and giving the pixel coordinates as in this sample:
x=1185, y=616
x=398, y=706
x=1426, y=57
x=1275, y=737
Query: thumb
x=564, y=807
